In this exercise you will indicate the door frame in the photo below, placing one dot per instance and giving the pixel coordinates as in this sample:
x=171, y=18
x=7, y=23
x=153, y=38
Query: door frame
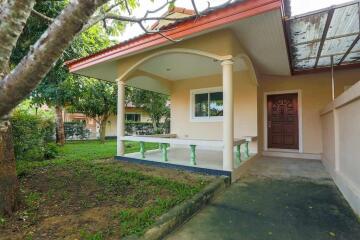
x=300, y=121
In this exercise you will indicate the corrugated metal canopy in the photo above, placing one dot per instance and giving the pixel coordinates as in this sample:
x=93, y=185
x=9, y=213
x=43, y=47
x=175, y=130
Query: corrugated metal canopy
x=316, y=36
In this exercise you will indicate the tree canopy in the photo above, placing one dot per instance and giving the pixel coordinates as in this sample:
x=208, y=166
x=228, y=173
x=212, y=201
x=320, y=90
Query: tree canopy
x=34, y=62
x=59, y=87
x=155, y=104
x=96, y=99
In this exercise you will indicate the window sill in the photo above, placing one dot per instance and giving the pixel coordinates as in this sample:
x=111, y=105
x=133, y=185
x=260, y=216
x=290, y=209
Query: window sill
x=206, y=119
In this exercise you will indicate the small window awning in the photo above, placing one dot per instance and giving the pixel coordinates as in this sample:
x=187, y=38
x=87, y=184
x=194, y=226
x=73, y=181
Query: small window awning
x=316, y=37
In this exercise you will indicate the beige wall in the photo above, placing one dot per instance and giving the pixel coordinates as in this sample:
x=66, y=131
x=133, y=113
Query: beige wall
x=111, y=124
x=341, y=137
x=245, y=102
x=328, y=138
x=219, y=43
x=222, y=42
x=316, y=93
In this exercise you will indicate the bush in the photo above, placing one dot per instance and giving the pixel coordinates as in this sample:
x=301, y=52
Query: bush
x=76, y=130
x=138, y=128
x=32, y=135
x=51, y=151
x=145, y=128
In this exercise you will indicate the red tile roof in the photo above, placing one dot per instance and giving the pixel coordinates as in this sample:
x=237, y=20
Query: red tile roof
x=173, y=10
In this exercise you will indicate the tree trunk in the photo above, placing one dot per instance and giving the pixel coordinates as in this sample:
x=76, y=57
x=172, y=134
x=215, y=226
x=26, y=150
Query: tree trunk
x=9, y=185
x=15, y=86
x=103, y=129
x=155, y=126
x=13, y=17
x=60, y=132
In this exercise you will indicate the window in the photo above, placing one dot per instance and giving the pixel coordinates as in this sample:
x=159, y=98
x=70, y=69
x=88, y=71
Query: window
x=133, y=117
x=207, y=104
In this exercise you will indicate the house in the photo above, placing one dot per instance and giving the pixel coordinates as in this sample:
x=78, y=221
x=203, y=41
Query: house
x=247, y=80
x=132, y=114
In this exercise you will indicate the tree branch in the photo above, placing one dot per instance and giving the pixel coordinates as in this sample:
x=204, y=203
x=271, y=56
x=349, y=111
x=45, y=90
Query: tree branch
x=127, y=7
x=13, y=16
x=100, y=17
x=75, y=18
x=195, y=8
x=49, y=19
x=39, y=60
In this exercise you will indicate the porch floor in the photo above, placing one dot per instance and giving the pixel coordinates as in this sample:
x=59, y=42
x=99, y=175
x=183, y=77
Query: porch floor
x=278, y=199
x=211, y=159
x=205, y=158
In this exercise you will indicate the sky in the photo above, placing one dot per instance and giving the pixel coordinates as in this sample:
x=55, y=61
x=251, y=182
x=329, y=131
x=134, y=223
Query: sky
x=297, y=7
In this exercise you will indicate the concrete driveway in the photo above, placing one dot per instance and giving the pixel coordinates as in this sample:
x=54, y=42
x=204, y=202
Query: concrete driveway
x=289, y=199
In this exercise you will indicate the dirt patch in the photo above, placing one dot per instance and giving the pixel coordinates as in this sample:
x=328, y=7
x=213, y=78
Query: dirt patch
x=177, y=175
x=96, y=200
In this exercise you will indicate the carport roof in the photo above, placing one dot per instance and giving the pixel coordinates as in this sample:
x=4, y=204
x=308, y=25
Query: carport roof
x=315, y=37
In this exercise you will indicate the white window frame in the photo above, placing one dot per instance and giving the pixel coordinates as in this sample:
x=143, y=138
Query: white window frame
x=133, y=113
x=193, y=92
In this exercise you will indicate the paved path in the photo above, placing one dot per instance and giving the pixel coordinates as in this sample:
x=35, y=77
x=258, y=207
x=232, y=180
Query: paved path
x=280, y=199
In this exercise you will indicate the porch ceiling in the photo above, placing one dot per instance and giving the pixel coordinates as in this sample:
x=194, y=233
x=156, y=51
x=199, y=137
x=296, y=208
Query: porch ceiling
x=157, y=73
x=177, y=66
x=263, y=38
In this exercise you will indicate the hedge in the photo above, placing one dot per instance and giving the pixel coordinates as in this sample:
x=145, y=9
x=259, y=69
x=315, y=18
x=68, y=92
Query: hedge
x=76, y=130
x=33, y=136
x=145, y=128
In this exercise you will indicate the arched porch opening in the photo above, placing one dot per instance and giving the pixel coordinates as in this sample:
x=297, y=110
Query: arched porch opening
x=164, y=70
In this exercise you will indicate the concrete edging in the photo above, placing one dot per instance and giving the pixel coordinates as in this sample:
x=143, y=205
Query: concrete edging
x=179, y=214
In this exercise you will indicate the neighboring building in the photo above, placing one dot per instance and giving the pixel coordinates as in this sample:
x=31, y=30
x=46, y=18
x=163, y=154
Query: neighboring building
x=132, y=113
x=90, y=123
x=244, y=74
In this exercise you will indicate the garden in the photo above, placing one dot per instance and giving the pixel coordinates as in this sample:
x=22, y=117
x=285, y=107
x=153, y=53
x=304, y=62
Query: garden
x=84, y=194
x=77, y=190
x=51, y=188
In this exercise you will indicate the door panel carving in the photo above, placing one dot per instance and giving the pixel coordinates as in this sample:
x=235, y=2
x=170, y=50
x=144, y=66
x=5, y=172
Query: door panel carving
x=283, y=121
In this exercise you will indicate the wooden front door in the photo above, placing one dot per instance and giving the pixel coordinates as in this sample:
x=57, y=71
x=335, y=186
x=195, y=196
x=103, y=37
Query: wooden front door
x=283, y=121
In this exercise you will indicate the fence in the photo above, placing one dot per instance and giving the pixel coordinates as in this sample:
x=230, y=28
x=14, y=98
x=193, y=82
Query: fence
x=341, y=143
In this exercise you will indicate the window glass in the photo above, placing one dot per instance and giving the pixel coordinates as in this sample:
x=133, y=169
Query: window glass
x=201, y=105
x=135, y=117
x=216, y=104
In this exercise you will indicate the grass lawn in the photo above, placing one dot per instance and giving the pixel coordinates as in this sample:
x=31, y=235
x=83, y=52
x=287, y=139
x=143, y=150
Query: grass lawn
x=85, y=194
x=75, y=151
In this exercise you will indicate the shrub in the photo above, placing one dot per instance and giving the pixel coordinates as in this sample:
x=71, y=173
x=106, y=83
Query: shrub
x=139, y=128
x=76, y=130
x=32, y=134
x=145, y=128
x=51, y=151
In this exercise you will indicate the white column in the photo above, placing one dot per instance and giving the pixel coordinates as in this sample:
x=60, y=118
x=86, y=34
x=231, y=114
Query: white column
x=228, y=118
x=120, y=123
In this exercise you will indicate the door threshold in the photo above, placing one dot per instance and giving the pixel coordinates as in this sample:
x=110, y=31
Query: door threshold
x=272, y=153
x=283, y=150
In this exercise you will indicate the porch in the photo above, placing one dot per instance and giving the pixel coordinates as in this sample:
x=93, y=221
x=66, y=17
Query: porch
x=197, y=155
x=213, y=109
